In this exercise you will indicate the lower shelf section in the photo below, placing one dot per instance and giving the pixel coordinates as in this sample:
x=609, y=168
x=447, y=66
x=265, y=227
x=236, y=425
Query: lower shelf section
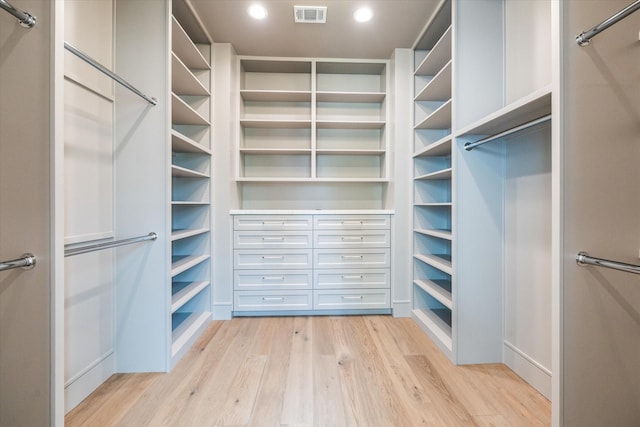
x=434, y=323
x=186, y=327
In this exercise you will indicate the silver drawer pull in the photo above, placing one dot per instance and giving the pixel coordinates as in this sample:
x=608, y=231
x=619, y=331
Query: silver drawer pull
x=272, y=298
x=273, y=239
x=353, y=277
x=273, y=278
x=352, y=257
x=273, y=257
x=352, y=238
x=352, y=222
x=358, y=297
x=272, y=222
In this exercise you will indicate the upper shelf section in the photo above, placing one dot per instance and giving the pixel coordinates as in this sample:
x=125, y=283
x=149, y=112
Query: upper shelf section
x=524, y=110
x=185, y=49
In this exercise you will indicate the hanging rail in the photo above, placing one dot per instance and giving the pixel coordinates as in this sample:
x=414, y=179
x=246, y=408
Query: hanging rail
x=27, y=260
x=108, y=72
x=471, y=145
x=107, y=245
x=583, y=258
x=25, y=19
x=585, y=37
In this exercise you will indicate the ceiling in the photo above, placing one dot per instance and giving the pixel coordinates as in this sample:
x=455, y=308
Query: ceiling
x=395, y=23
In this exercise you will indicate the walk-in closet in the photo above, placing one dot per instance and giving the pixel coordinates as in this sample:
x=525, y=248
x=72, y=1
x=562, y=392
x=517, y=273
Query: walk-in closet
x=216, y=215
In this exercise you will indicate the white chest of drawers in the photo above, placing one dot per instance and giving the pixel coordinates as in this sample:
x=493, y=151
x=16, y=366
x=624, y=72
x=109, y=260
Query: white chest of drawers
x=311, y=263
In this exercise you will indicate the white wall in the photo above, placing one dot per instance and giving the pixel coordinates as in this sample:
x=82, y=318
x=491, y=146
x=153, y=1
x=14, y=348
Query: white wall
x=88, y=199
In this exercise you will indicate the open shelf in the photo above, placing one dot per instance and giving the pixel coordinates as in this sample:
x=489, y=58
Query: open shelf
x=438, y=88
x=183, y=144
x=437, y=57
x=431, y=322
x=275, y=124
x=180, y=264
x=439, y=119
x=367, y=97
x=186, y=173
x=183, y=81
x=441, y=147
x=275, y=95
x=438, y=289
x=439, y=233
x=186, y=327
x=441, y=174
x=183, y=234
x=185, y=48
x=440, y=261
x=183, y=114
x=183, y=292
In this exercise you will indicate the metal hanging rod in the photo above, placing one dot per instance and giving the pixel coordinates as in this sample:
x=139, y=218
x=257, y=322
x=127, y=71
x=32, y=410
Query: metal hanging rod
x=108, y=72
x=107, y=245
x=585, y=37
x=583, y=258
x=471, y=145
x=25, y=19
x=27, y=260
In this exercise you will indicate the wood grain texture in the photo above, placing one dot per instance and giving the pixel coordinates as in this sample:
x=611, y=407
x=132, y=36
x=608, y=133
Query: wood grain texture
x=316, y=371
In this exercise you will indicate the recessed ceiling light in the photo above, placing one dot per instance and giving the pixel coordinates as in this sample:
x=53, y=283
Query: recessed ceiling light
x=363, y=14
x=257, y=11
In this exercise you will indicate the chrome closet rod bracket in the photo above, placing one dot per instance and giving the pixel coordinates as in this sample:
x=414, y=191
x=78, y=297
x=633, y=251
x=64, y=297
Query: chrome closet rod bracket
x=98, y=66
x=27, y=260
x=585, y=37
x=106, y=245
x=583, y=258
x=25, y=19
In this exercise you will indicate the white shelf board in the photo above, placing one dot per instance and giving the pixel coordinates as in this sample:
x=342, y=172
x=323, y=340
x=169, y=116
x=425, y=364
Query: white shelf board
x=433, y=204
x=183, y=81
x=187, y=291
x=437, y=57
x=364, y=97
x=183, y=114
x=346, y=124
x=438, y=175
x=346, y=151
x=183, y=144
x=441, y=262
x=439, y=148
x=435, y=327
x=275, y=151
x=186, y=173
x=180, y=264
x=188, y=203
x=275, y=95
x=185, y=49
x=276, y=124
x=183, y=234
x=311, y=180
x=524, y=110
x=439, y=119
x=188, y=329
x=438, y=290
x=441, y=234
x=438, y=88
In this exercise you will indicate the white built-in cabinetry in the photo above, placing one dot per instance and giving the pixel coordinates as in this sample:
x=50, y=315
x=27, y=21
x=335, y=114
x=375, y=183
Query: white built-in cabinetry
x=432, y=182
x=312, y=124
x=190, y=188
x=482, y=218
x=311, y=263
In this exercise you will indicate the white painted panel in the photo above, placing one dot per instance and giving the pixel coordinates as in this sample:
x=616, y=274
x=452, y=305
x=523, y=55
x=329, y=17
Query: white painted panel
x=527, y=254
x=527, y=47
x=88, y=165
x=88, y=27
x=88, y=310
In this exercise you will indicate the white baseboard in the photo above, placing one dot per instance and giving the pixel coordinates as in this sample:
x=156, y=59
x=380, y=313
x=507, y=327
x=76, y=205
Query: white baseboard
x=77, y=389
x=528, y=369
x=402, y=308
x=222, y=311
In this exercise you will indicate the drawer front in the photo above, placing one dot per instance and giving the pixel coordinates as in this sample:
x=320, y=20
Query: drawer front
x=352, y=279
x=351, y=299
x=351, y=239
x=272, y=239
x=251, y=280
x=275, y=259
x=272, y=222
x=272, y=300
x=352, y=222
x=351, y=258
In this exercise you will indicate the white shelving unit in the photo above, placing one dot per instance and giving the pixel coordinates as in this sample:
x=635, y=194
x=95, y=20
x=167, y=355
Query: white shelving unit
x=191, y=189
x=432, y=184
x=307, y=122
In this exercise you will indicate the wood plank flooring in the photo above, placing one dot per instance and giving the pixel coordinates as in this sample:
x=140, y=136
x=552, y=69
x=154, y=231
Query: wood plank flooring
x=315, y=371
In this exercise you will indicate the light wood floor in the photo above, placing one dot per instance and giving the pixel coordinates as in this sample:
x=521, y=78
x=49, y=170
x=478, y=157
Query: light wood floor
x=315, y=371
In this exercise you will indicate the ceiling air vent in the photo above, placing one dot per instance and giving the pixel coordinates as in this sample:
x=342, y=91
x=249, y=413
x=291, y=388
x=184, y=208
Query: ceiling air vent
x=310, y=14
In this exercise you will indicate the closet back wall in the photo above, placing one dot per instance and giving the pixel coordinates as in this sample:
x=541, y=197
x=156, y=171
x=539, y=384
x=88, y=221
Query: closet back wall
x=89, y=199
